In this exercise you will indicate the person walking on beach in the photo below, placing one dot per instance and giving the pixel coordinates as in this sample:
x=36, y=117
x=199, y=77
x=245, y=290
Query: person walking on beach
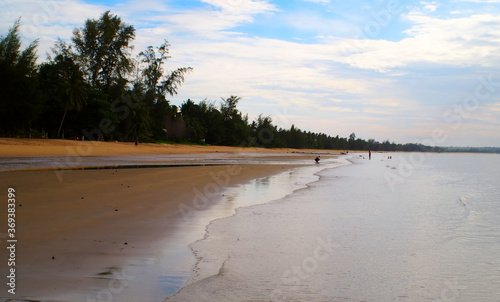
x=369, y=155
x=317, y=159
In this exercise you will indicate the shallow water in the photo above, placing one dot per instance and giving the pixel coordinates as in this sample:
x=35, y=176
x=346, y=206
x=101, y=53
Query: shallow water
x=161, y=275
x=414, y=228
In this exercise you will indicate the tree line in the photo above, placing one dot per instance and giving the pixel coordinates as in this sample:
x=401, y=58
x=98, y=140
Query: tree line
x=89, y=84
x=92, y=87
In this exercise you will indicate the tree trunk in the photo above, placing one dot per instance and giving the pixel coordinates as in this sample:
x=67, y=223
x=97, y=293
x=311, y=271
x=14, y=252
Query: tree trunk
x=62, y=121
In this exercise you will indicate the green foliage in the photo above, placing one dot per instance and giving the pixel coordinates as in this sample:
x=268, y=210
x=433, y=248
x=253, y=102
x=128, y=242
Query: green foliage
x=235, y=129
x=165, y=124
x=152, y=74
x=263, y=133
x=20, y=102
x=193, y=116
x=63, y=83
x=102, y=48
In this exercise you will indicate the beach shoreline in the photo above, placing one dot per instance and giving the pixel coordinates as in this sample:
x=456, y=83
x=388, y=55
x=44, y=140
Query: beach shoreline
x=278, y=188
x=16, y=147
x=77, y=233
x=71, y=234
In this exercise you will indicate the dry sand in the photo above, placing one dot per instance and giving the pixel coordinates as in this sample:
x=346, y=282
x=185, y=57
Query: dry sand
x=73, y=232
x=10, y=147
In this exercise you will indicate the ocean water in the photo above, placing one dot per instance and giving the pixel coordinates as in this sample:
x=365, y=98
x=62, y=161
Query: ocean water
x=417, y=227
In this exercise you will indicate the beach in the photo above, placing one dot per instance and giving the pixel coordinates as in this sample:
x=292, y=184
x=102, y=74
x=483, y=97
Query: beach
x=12, y=147
x=76, y=229
x=252, y=225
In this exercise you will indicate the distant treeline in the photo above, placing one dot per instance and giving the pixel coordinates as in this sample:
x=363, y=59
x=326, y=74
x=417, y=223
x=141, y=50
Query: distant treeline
x=470, y=149
x=92, y=88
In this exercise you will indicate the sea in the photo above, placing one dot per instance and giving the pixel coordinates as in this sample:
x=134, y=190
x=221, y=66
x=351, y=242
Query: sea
x=396, y=227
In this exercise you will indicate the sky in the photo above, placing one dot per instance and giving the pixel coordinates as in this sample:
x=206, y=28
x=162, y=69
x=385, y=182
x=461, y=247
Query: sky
x=403, y=71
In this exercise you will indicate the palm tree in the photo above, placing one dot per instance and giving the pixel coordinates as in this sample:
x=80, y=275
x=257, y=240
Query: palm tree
x=74, y=94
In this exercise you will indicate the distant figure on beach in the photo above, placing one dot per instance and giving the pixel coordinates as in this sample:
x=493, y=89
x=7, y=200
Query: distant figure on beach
x=369, y=155
x=317, y=159
x=136, y=142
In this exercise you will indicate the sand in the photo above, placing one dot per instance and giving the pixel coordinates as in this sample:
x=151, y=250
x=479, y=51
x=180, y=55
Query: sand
x=12, y=147
x=72, y=233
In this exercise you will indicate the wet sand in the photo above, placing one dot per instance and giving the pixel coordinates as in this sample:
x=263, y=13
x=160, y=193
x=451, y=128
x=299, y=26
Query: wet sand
x=71, y=232
x=75, y=232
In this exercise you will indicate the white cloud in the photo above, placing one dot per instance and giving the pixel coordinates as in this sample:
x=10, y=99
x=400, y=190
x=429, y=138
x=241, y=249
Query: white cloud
x=318, y=1
x=459, y=12
x=303, y=80
x=467, y=41
x=47, y=20
x=482, y=1
x=429, y=7
x=242, y=7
